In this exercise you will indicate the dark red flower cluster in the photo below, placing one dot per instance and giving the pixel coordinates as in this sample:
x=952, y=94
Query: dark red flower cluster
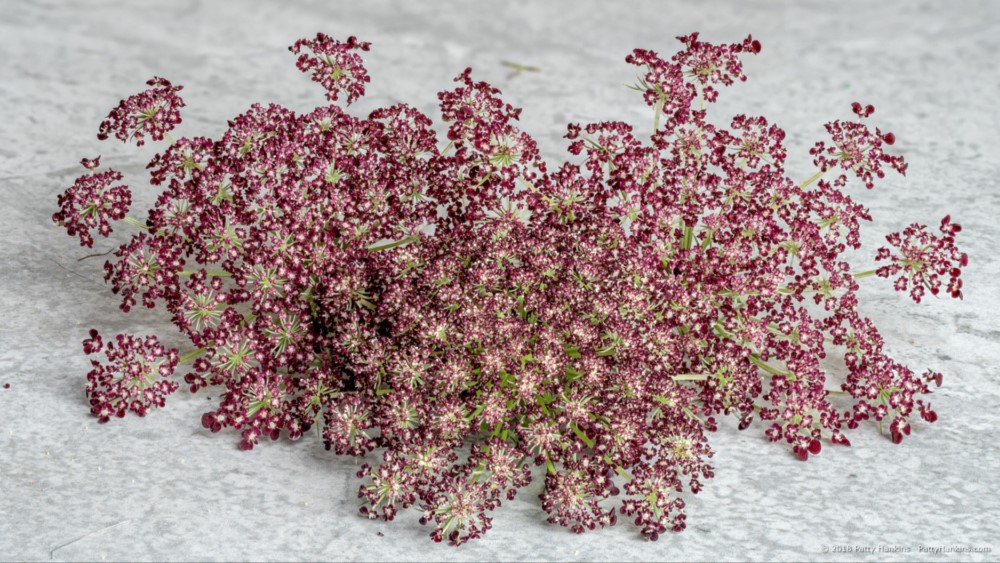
x=134, y=378
x=153, y=112
x=334, y=65
x=923, y=259
x=92, y=203
x=857, y=149
x=472, y=312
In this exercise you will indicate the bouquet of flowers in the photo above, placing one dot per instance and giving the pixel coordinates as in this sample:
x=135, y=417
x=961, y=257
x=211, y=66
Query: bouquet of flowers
x=466, y=310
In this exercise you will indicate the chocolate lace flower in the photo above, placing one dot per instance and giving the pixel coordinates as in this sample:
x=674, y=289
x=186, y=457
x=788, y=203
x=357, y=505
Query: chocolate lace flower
x=132, y=379
x=334, y=65
x=153, y=112
x=462, y=314
x=923, y=261
x=91, y=203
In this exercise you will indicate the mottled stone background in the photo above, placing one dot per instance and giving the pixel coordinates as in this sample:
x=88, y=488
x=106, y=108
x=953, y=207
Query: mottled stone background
x=163, y=488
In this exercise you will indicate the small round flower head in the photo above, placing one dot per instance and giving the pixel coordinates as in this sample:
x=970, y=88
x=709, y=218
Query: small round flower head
x=858, y=149
x=334, y=65
x=132, y=379
x=496, y=152
x=90, y=204
x=714, y=64
x=152, y=112
x=923, y=260
x=663, y=85
x=147, y=266
x=182, y=160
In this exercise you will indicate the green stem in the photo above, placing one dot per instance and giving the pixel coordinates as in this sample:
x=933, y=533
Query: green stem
x=550, y=466
x=623, y=474
x=169, y=138
x=191, y=355
x=189, y=273
x=690, y=377
x=135, y=223
x=812, y=179
x=867, y=274
x=755, y=359
x=688, y=237
x=656, y=115
x=394, y=244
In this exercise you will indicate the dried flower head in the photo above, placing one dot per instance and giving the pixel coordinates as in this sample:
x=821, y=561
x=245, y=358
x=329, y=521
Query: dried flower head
x=153, y=112
x=334, y=65
x=134, y=378
x=923, y=260
x=91, y=204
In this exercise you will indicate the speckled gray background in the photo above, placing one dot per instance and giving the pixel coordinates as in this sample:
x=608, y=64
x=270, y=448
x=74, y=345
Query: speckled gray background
x=163, y=488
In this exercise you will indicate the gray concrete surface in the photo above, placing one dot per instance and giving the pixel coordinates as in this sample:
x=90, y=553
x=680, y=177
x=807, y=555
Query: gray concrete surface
x=163, y=488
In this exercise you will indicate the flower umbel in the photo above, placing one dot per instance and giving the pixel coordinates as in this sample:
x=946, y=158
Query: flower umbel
x=334, y=65
x=91, y=204
x=923, y=260
x=153, y=112
x=132, y=379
